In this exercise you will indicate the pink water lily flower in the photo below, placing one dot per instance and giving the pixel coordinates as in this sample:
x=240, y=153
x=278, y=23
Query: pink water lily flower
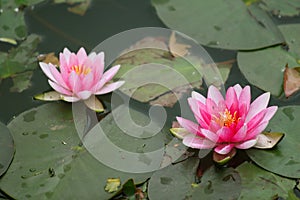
x=226, y=123
x=80, y=76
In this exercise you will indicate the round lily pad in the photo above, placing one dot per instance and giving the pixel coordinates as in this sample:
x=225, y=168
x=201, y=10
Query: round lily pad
x=232, y=24
x=7, y=148
x=50, y=163
x=284, y=158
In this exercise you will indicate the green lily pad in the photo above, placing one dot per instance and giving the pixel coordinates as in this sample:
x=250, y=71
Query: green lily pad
x=270, y=62
x=284, y=158
x=281, y=7
x=7, y=148
x=232, y=24
x=130, y=141
x=149, y=73
x=270, y=186
x=13, y=25
x=178, y=182
x=49, y=162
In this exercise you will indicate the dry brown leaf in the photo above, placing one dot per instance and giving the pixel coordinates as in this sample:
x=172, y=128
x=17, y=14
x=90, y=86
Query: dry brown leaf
x=291, y=80
x=177, y=49
x=49, y=58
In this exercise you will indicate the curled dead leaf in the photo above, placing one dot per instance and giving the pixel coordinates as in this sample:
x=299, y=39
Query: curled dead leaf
x=291, y=80
x=177, y=49
x=49, y=58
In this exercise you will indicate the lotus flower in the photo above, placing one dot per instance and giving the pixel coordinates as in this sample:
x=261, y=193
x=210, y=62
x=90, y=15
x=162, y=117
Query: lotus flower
x=80, y=76
x=226, y=123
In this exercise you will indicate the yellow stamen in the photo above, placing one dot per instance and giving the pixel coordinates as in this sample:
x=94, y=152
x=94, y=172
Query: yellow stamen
x=81, y=69
x=226, y=118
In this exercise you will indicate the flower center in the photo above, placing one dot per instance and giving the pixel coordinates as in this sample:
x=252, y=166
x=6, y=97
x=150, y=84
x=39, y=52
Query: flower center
x=81, y=69
x=227, y=119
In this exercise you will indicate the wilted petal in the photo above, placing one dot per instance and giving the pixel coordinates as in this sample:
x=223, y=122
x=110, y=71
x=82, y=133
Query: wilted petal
x=258, y=105
x=214, y=94
x=224, y=148
x=110, y=87
x=197, y=142
x=247, y=144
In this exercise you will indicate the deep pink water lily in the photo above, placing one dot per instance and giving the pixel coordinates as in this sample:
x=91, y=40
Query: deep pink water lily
x=226, y=123
x=80, y=76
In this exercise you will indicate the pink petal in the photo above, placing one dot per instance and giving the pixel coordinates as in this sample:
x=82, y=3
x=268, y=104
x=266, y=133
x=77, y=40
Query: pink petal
x=81, y=56
x=109, y=87
x=214, y=94
x=195, y=106
x=98, y=65
x=70, y=98
x=240, y=134
x=258, y=105
x=190, y=126
x=46, y=69
x=231, y=100
x=74, y=82
x=255, y=131
x=257, y=119
x=206, y=116
x=270, y=113
x=107, y=76
x=84, y=94
x=210, y=135
x=211, y=107
x=225, y=134
x=199, y=97
x=224, y=148
x=213, y=126
x=238, y=89
x=59, y=88
x=197, y=142
x=245, y=97
x=88, y=81
x=57, y=76
x=64, y=57
x=247, y=144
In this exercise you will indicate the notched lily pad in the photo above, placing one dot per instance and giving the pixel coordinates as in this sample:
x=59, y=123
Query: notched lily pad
x=268, y=140
x=281, y=7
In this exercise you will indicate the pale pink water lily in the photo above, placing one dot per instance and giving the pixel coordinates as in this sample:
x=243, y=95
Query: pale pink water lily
x=226, y=123
x=80, y=76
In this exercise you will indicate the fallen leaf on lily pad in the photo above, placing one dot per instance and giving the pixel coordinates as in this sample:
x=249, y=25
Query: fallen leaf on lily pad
x=268, y=140
x=177, y=49
x=112, y=184
x=49, y=58
x=223, y=159
x=291, y=80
